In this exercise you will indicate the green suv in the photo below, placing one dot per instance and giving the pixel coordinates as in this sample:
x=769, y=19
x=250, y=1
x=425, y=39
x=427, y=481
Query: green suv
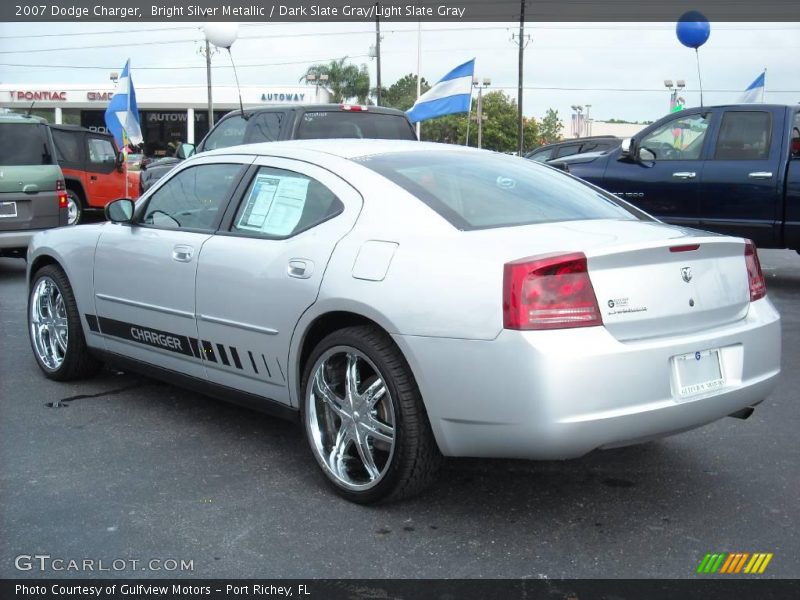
x=32, y=193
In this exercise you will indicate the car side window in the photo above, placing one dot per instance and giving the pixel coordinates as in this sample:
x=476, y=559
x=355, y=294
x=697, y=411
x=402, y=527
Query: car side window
x=193, y=198
x=229, y=132
x=542, y=156
x=568, y=150
x=280, y=204
x=101, y=150
x=679, y=139
x=744, y=136
x=264, y=127
x=68, y=148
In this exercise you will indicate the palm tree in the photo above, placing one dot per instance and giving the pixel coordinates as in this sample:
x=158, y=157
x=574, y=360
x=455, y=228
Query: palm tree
x=345, y=81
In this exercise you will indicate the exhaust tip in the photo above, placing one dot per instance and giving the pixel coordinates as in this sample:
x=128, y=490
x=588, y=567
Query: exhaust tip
x=743, y=414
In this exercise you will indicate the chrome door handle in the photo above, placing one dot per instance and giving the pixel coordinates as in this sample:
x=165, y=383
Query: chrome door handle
x=301, y=269
x=760, y=175
x=182, y=253
x=685, y=174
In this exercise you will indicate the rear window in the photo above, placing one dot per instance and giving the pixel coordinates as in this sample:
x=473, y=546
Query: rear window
x=483, y=190
x=25, y=144
x=361, y=124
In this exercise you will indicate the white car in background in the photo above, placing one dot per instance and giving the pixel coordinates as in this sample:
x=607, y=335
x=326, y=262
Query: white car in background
x=406, y=300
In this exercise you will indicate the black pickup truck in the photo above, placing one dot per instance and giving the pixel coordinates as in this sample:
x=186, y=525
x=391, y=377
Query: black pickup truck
x=729, y=169
x=273, y=123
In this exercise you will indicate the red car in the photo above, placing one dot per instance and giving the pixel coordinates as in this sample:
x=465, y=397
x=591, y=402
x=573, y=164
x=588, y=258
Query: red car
x=95, y=171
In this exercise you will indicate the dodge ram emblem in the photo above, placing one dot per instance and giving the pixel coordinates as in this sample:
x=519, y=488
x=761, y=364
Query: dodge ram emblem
x=686, y=274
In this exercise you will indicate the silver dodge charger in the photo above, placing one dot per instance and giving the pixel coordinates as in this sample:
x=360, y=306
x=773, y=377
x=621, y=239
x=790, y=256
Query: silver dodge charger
x=407, y=301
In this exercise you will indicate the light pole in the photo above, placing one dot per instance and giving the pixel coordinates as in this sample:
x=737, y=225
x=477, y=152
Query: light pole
x=316, y=82
x=479, y=106
x=577, y=120
x=674, y=89
x=588, y=120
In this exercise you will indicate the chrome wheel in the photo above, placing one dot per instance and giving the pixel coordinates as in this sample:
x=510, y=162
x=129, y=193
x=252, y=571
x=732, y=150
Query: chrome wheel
x=49, y=330
x=73, y=209
x=350, y=418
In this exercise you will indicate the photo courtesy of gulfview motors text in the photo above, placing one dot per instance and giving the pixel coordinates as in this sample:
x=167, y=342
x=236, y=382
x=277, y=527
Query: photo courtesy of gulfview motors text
x=399, y=299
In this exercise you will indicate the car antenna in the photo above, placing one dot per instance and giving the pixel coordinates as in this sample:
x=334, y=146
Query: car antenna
x=238, y=88
x=30, y=109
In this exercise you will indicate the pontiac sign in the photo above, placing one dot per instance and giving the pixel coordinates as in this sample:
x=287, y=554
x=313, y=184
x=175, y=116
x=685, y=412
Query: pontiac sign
x=38, y=95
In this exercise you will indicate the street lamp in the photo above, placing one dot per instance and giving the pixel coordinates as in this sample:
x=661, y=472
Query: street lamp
x=480, y=86
x=678, y=85
x=577, y=120
x=221, y=35
x=316, y=81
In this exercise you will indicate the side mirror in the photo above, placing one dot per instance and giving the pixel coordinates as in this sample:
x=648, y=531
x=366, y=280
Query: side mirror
x=185, y=150
x=645, y=155
x=119, y=160
x=119, y=211
x=626, y=146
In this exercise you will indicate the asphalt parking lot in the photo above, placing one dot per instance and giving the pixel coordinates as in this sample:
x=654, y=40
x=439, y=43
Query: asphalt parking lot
x=129, y=468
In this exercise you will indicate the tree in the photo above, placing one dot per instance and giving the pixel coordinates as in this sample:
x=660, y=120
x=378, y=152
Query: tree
x=403, y=93
x=550, y=127
x=345, y=81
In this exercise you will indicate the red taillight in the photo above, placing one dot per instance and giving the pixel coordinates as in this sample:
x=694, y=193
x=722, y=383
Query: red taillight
x=549, y=292
x=686, y=248
x=353, y=107
x=62, y=194
x=758, y=287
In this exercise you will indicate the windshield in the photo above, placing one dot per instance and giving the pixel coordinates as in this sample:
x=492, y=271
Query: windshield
x=479, y=190
x=356, y=124
x=25, y=144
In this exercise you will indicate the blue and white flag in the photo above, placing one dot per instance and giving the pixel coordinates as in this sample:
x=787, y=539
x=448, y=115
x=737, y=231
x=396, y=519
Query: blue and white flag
x=755, y=91
x=122, y=114
x=451, y=94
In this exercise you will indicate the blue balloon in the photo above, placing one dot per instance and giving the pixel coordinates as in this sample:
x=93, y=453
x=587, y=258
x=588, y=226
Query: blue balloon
x=693, y=29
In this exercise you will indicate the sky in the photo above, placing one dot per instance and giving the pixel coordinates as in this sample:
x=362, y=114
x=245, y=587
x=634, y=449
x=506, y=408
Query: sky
x=618, y=69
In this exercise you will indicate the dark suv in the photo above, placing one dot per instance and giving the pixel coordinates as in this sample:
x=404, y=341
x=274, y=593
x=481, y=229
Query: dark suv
x=597, y=143
x=274, y=123
x=32, y=194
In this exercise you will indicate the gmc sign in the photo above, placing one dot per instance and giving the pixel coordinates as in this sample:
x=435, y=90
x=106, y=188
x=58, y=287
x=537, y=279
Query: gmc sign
x=102, y=96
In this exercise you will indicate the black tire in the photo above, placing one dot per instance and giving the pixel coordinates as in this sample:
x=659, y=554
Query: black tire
x=78, y=362
x=416, y=458
x=75, y=198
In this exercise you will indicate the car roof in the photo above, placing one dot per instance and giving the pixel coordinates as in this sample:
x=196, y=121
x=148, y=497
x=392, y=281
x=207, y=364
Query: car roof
x=18, y=118
x=343, y=148
x=67, y=127
x=383, y=110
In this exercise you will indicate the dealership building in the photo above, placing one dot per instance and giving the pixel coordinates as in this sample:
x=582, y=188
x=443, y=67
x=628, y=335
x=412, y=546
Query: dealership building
x=168, y=114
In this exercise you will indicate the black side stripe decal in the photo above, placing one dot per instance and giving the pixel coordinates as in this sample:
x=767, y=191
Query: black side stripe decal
x=92, y=321
x=195, y=348
x=235, y=356
x=172, y=342
x=223, y=355
x=266, y=366
x=208, y=351
x=145, y=335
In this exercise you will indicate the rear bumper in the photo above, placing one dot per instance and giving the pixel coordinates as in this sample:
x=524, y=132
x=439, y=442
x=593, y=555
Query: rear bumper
x=13, y=240
x=561, y=394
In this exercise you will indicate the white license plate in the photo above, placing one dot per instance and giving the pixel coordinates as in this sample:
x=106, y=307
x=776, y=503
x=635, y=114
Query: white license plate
x=8, y=209
x=698, y=372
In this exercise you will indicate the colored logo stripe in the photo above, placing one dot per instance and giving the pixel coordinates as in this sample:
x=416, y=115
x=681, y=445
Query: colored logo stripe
x=733, y=562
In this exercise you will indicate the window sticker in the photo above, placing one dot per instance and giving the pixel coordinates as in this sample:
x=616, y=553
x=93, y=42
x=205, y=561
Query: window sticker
x=275, y=204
